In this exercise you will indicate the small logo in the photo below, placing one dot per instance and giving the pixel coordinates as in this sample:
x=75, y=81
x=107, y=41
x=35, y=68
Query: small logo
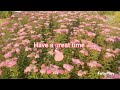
x=105, y=73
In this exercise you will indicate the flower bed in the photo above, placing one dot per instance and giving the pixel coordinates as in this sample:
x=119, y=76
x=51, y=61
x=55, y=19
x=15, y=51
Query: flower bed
x=99, y=51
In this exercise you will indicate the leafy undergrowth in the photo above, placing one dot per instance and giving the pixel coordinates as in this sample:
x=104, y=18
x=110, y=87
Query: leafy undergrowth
x=99, y=51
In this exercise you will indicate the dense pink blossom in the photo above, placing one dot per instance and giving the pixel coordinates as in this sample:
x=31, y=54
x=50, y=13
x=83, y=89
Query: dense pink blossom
x=77, y=61
x=51, y=52
x=68, y=67
x=108, y=55
x=85, y=52
x=8, y=55
x=94, y=64
x=61, y=30
x=81, y=73
x=31, y=68
x=58, y=55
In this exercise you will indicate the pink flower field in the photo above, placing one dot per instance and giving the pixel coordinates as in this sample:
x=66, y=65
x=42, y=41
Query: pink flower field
x=97, y=50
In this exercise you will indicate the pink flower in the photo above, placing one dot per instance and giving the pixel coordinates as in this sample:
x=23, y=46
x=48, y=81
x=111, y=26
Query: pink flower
x=107, y=30
x=51, y=52
x=85, y=52
x=117, y=50
x=115, y=76
x=56, y=72
x=31, y=55
x=108, y=55
x=61, y=31
x=77, y=61
x=109, y=50
x=63, y=26
x=2, y=64
x=43, y=66
x=26, y=41
x=54, y=66
x=35, y=69
x=119, y=68
x=37, y=56
x=110, y=40
x=29, y=27
x=20, y=19
x=61, y=71
x=93, y=46
x=16, y=45
x=34, y=61
x=94, y=64
x=10, y=63
x=68, y=67
x=28, y=49
x=75, y=41
x=81, y=73
x=58, y=55
x=90, y=34
x=28, y=69
x=113, y=39
x=43, y=71
x=17, y=50
x=16, y=24
x=48, y=71
x=8, y=55
x=85, y=41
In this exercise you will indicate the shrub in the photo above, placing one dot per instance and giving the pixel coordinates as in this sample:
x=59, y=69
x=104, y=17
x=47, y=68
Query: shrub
x=99, y=51
x=106, y=12
x=5, y=14
x=116, y=18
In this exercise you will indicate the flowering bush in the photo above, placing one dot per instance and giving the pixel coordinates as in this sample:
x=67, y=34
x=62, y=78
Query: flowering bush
x=5, y=14
x=99, y=49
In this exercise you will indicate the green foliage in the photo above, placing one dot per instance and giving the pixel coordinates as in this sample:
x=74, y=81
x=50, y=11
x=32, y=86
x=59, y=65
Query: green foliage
x=116, y=18
x=106, y=12
x=5, y=14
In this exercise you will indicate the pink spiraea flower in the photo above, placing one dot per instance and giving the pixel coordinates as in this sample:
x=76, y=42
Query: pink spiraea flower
x=10, y=63
x=51, y=52
x=31, y=68
x=34, y=61
x=75, y=41
x=77, y=61
x=93, y=46
x=108, y=55
x=115, y=76
x=8, y=55
x=94, y=64
x=81, y=73
x=61, y=31
x=68, y=67
x=31, y=55
x=35, y=69
x=58, y=55
x=28, y=49
x=28, y=69
x=43, y=69
x=85, y=52
x=17, y=50
x=117, y=50
x=48, y=71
